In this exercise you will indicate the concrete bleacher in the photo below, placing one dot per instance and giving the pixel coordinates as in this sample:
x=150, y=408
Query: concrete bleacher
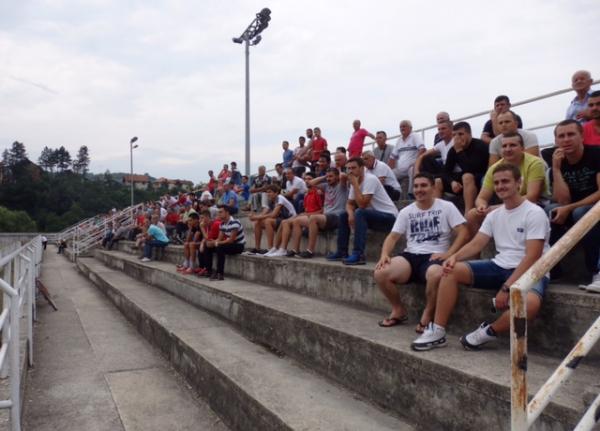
x=322, y=317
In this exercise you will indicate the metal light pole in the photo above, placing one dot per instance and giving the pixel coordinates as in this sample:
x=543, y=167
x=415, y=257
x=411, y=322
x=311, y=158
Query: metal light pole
x=251, y=36
x=131, y=147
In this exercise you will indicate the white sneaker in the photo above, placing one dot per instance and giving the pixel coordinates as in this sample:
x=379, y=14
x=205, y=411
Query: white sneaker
x=270, y=252
x=279, y=252
x=433, y=336
x=145, y=259
x=478, y=337
x=594, y=286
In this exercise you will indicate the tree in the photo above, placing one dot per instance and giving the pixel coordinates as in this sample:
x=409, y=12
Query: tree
x=82, y=163
x=17, y=153
x=63, y=159
x=15, y=221
x=45, y=160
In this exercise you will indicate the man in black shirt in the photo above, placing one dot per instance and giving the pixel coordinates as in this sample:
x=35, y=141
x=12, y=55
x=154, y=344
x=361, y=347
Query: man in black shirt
x=491, y=127
x=575, y=189
x=466, y=164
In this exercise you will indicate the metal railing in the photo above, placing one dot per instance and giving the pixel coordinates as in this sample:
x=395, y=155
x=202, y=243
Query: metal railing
x=19, y=271
x=90, y=233
x=523, y=415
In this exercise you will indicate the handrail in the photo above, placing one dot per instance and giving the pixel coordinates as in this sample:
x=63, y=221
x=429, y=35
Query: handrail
x=20, y=269
x=522, y=414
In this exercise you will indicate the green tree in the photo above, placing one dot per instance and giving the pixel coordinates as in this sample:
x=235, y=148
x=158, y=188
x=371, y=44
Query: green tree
x=82, y=162
x=45, y=160
x=63, y=159
x=15, y=221
x=17, y=153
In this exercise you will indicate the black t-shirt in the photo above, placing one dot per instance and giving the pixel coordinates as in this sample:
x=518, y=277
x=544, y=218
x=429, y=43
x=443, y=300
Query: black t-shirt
x=581, y=177
x=472, y=160
x=489, y=129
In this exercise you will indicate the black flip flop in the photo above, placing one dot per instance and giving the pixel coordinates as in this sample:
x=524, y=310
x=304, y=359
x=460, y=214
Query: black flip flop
x=394, y=321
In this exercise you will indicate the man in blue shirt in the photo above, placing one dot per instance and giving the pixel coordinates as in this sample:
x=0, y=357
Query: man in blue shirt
x=288, y=155
x=155, y=237
x=229, y=198
x=581, y=82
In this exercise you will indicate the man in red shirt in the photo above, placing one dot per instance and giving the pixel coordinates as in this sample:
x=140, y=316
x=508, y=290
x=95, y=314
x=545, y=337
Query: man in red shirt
x=212, y=182
x=591, y=129
x=318, y=145
x=210, y=232
x=357, y=140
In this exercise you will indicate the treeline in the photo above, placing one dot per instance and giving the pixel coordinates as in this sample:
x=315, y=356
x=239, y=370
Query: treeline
x=56, y=193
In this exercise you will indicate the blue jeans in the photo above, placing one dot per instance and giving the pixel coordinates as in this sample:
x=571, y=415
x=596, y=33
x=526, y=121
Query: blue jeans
x=364, y=219
x=149, y=245
x=590, y=242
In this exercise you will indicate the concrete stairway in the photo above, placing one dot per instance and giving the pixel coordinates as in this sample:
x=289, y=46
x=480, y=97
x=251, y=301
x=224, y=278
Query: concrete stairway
x=324, y=318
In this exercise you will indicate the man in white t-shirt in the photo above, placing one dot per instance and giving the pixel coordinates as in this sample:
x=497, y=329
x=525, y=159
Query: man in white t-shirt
x=384, y=173
x=520, y=230
x=404, y=155
x=295, y=189
x=368, y=207
x=427, y=225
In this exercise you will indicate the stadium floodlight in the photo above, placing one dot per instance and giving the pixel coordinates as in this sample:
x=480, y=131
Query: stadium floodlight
x=131, y=147
x=250, y=37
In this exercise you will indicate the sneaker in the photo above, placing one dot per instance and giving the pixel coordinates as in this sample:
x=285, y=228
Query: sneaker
x=433, y=336
x=336, y=256
x=217, y=276
x=477, y=338
x=279, y=253
x=270, y=252
x=306, y=254
x=291, y=253
x=355, y=259
x=253, y=251
x=594, y=286
x=262, y=251
x=145, y=259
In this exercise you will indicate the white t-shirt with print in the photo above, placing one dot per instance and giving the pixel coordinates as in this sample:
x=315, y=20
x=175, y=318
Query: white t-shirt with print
x=511, y=228
x=428, y=231
x=380, y=201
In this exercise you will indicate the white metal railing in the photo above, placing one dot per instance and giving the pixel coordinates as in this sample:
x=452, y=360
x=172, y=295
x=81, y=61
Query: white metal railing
x=523, y=414
x=91, y=232
x=19, y=271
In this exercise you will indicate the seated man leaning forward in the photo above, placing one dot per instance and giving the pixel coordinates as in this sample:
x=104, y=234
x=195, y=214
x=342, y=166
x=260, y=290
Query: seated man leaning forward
x=279, y=209
x=368, y=206
x=520, y=230
x=427, y=224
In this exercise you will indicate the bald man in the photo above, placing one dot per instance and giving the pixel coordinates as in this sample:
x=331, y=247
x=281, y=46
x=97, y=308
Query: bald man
x=357, y=140
x=581, y=83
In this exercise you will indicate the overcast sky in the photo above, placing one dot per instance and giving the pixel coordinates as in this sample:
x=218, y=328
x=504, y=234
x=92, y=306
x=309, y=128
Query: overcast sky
x=98, y=72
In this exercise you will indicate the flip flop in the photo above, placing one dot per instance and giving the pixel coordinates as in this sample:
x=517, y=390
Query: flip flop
x=420, y=328
x=393, y=321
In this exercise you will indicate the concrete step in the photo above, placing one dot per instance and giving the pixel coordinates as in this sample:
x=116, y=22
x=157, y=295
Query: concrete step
x=452, y=388
x=248, y=385
x=566, y=315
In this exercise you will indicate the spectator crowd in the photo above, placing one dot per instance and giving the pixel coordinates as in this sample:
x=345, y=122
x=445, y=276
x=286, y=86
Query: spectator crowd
x=446, y=202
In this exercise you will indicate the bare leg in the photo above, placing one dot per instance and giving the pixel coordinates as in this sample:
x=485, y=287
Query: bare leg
x=258, y=228
x=433, y=277
x=270, y=228
x=316, y=222
x=439, y=188
x=469, y=191
x=396, y=272
x=286, y=232
x=448, y=292
x=299, y=223
x=534, y=303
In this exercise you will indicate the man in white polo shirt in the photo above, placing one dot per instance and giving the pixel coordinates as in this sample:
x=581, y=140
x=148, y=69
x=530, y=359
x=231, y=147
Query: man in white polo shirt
x=384, y=173
x=404, y=155
x=368, y=206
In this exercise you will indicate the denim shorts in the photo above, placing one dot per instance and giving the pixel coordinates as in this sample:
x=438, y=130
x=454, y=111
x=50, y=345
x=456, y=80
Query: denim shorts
x=488, y=275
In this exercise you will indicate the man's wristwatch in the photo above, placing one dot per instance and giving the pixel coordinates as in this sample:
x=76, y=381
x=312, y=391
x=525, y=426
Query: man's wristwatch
x=505, y=288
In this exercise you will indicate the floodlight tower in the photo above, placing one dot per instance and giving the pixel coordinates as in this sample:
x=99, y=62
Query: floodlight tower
x=250, y=37
x=131, y=148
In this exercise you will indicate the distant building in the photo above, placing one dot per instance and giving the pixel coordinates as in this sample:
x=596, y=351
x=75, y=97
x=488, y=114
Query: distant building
x=172, y=184
x=140, y=182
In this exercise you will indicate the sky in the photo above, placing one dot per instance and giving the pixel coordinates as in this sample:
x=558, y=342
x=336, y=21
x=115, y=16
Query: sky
x=99, y=72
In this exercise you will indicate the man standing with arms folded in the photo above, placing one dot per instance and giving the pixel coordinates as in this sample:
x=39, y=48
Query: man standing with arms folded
x=368, y=206
x=427, y=225
x=357, y=140
x=575, y=189
x=520, y=231
x=581, y=83
x=382, y=150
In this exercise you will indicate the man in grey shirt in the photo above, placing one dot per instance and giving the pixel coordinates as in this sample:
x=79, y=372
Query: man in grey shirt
x=333, y=185
x=382, y=150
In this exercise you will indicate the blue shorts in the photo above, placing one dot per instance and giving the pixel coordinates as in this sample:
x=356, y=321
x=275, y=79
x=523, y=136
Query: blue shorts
x=488, y=275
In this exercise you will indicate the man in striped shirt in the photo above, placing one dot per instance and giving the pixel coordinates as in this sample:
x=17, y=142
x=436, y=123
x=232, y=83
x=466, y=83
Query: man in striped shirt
x=230, y=241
